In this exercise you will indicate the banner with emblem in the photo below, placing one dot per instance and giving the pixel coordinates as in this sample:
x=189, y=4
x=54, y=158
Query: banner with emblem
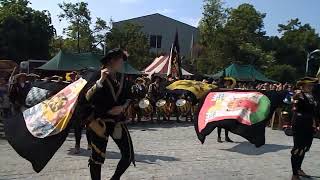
x=52, y=116
x=246, y=107
x=244, y=113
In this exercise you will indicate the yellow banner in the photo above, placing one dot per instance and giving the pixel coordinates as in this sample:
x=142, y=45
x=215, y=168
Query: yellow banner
x=52, y=116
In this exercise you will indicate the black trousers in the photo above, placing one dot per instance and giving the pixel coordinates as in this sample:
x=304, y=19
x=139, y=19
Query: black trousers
x=101, y=131
x=78, y=133
x=226, y=133
x=302, y=141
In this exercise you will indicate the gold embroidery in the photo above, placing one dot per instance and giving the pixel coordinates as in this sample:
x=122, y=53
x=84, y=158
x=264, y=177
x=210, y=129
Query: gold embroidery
x=90, y=92
x=94, y=161
x=116, y=95
x=96, y=149
x=99, y=127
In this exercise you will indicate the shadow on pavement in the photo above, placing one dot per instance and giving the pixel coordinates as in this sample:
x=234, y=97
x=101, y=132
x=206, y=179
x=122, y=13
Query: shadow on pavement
x=142, y=158
x=153, y=126
x=249, y=149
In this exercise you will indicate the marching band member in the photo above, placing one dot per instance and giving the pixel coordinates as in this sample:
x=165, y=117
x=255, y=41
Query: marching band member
x=138, y=91
x=109, y=97
x=229, y=83
x=154, y=90
x=304, y=107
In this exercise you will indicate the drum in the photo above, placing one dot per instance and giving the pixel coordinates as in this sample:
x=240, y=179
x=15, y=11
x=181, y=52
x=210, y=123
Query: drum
x=183, y=106
x=161, y=105
x=145, y=106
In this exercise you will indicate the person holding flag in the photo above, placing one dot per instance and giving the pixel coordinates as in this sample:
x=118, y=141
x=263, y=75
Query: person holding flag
x=110, y=97
x=229, y=83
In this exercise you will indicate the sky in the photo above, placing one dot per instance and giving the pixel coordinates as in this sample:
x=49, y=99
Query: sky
x=189, y=11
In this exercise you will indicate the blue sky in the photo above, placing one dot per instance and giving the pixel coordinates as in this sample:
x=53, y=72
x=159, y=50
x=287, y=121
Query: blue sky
x=189, y=11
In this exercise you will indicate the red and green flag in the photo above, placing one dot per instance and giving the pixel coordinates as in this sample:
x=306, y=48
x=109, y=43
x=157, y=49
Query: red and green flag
x=242, y=112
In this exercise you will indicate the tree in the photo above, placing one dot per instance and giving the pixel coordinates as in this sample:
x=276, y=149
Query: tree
x=282, y=73
x=100, y=30
x=232, y=36
x=21, y=26
x=211, y=33
x=214, y=18
x=79, y=34
x=244, y=28
x=131, y=38
x=296, y=41
x=80, y=37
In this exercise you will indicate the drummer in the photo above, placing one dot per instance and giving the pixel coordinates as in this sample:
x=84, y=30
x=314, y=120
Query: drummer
x=139, y=92
x=154, y=90
x=138, y=89
x=228, y=83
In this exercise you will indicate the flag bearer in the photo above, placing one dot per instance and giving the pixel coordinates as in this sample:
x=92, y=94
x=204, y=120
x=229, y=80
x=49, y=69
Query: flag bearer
x=109, y=97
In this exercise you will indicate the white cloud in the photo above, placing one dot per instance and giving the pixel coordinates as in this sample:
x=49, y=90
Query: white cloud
x=164, y=11
x=191, y=21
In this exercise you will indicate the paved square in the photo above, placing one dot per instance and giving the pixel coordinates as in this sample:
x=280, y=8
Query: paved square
x=172, y=151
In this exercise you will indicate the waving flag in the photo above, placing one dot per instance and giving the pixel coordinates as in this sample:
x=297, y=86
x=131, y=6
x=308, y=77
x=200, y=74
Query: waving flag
x=175, y=60
x=52, y=116
x=39, y=132
x=199, y=89
x=242, y=112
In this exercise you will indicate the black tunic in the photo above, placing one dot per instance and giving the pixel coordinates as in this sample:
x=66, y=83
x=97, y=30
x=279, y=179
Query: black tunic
x=103, y=100
x=304, y=115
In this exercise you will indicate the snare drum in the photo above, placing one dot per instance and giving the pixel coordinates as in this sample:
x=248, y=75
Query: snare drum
x=145, y=106
x=183, y=106
x=161, y=105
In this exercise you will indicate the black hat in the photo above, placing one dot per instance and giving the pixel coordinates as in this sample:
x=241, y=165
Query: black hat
x=114, y=53
x=307, y=80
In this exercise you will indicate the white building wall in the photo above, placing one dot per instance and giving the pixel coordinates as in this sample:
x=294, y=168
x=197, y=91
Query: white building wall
x=157, y=24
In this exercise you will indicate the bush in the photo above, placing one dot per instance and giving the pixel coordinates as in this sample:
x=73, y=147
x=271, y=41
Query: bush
x=282, y=73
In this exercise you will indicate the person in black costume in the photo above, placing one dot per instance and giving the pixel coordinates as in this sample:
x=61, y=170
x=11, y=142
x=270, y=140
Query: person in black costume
x=109, y=97
x=304, y=109
x=228, y=83
x=139, y=92
x=19, y=92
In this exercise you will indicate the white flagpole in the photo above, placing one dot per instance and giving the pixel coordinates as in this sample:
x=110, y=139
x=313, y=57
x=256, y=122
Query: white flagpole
x=170, y=61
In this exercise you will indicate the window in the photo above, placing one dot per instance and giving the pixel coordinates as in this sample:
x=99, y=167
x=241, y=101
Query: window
x=155, y=41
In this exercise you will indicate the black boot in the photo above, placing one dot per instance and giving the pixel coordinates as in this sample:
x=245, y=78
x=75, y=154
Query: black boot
x=228, y=139
x=115, y=178
x=227, y=136
x=95, y=171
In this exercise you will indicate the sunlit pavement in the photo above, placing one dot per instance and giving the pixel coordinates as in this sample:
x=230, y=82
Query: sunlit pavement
x=171, y=151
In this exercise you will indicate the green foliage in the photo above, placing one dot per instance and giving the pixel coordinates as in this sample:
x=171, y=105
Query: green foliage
x=296, y=42
x=282, y=73
x=231, y=36
x=130, y=38
x=79, y=34
x=238, y=36
x=21, y=26
x=212, y=37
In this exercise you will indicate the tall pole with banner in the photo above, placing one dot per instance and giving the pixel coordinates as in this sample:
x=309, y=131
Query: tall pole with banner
x=175, y=61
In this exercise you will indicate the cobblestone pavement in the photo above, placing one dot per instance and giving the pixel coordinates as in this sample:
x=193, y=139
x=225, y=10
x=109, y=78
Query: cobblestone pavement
x=172, y=151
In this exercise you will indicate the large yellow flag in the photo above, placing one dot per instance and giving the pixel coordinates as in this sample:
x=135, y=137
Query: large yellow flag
x=199, y=89
x=52, y=116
